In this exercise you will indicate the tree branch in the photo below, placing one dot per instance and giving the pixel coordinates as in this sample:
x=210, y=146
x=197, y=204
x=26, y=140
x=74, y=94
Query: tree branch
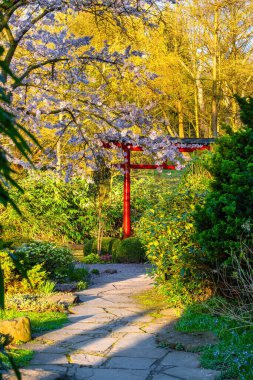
x=55, y=60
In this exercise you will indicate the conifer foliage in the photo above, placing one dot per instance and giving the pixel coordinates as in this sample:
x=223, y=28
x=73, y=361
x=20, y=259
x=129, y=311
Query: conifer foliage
x=225, y=221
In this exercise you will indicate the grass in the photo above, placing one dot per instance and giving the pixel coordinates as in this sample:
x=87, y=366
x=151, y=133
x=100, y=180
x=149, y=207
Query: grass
x=21, y=357
x=39, y=321
x=233, y=355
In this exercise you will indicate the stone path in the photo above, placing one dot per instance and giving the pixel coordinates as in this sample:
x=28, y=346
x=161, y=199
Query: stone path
x=110, y=337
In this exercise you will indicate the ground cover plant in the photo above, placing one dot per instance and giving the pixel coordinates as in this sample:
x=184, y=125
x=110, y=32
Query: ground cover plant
x=21, y=357
x=233, y=354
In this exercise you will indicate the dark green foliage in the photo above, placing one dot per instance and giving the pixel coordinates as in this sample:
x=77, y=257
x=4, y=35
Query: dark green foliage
x=92, y=258
x=78, y=274
x=106, y=247
x=129, y=251
x=53, y=210
x=95, y=271
x=90, y=246
x=115, y=245
x=226, y=218
x=57, y=261
x=166, y=232
x=87, y=246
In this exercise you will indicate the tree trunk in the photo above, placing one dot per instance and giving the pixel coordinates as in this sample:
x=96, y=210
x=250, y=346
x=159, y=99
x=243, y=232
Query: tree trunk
x=196, y=106
x=180, y=118
x=203, y=127
x=215, y=99
x=58, y=157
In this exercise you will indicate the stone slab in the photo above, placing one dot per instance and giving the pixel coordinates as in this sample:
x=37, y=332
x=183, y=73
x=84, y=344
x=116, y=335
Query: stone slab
x=110, y=374
x=37, y=347
x=186, y=359
x=136, y=340
x=49, y=358
x=155, y=353
x=130, y=363
x=96, y=345
x=61, y=368
x=66, y=338
x=192, y=373
x=162, y=376
x=29, y=374
x=129, y=329
x=87, y=360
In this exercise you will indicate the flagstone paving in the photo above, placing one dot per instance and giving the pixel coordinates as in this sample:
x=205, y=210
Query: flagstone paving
x=110, y=337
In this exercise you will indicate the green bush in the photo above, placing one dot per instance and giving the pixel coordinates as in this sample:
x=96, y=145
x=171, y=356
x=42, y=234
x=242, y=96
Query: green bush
x=57, y=261
x=90, y=246
x=79, y=274
x=13, y=281
x=87, y=246
x=226, y=217
x=53, y=210
x=106, y=247
x=165, y=231
x=115, y=245
x=10, y=272
x=129, y=250
x=92, y=258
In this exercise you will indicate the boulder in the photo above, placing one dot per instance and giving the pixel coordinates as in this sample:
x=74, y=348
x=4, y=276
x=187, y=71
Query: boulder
x=71, y=287
x=18, y=330
x=65, y=299
x=111, y=271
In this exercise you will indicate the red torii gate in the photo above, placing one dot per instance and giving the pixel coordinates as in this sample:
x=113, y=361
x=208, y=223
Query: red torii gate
x=183, y=145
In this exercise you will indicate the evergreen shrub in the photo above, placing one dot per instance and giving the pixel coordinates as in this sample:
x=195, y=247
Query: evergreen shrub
x=87, y=246
x=57, y=261
x=225, y=220
x=129, y=250
x=14, y=282
x=90, y=246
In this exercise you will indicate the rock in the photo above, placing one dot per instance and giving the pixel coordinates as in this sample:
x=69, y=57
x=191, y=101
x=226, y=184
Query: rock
x=18, y=329
x=185, y=341
x=64, y=299
x=111, y=271
x=68, y=288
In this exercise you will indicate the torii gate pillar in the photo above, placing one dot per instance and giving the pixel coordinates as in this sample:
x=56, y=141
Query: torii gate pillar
x=126, y=200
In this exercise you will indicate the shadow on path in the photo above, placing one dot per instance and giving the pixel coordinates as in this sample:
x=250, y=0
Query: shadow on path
x=110, y=337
